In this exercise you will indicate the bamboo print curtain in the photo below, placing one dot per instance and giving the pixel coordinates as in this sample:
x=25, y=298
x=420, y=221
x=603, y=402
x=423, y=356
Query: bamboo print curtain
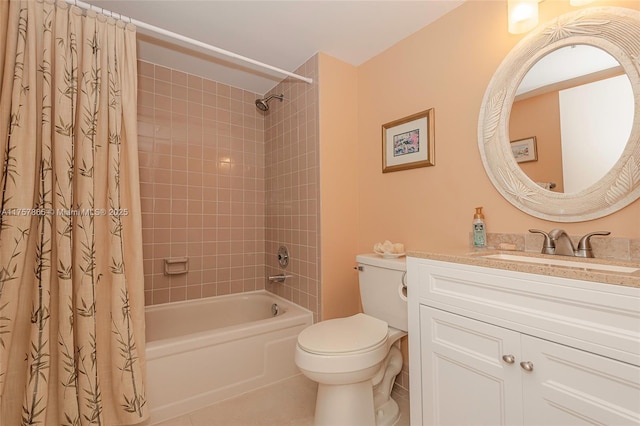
x=71, y=282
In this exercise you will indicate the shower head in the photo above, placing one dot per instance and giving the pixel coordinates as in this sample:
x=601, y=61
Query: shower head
x=263, y=104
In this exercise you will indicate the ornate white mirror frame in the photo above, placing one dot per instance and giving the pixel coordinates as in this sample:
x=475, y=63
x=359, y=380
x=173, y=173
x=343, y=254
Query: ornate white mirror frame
x=616, y=31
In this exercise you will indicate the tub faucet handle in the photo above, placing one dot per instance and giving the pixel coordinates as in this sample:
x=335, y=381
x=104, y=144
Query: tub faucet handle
x=584, y=245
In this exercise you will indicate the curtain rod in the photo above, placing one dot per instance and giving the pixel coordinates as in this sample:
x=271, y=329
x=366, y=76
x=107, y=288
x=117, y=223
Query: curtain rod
x=188, y=40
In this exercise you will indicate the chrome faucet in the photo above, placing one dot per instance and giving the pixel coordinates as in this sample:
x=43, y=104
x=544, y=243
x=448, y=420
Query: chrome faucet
x=557, y=242
x=279, y=278
x=562, y=242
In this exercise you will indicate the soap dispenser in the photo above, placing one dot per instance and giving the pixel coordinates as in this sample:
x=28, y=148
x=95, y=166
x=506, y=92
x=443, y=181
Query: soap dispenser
x=479, y=231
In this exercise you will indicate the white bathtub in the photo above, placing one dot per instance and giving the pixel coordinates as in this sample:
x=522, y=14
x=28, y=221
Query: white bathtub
x=203, y=351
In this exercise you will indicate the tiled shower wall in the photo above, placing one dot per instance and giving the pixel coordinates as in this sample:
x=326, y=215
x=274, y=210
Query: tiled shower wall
x=225, y=185
x=201, y=148
x=292, y=183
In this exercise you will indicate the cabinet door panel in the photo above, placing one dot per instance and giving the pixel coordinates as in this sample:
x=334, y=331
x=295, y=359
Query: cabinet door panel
x=572, y=387
x=465, y=381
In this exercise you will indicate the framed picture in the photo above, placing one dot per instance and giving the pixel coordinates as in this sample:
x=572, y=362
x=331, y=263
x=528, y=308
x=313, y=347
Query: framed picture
x=525, y=150
x=408, y=143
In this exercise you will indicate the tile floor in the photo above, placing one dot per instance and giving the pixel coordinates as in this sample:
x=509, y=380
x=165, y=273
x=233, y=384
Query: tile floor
x=287, y=403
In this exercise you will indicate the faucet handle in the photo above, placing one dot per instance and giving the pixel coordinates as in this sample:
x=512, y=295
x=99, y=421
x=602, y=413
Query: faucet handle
x=584, y=245
x=548, y=247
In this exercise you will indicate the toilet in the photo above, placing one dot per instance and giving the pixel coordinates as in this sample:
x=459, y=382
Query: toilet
x=355, y=360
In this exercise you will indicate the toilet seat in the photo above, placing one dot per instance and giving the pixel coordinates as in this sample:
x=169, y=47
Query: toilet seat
x=341, y=336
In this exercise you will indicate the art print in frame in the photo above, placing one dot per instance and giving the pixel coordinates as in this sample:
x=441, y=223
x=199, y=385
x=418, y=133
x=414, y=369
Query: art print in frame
x=409, y=143
x=525, y=150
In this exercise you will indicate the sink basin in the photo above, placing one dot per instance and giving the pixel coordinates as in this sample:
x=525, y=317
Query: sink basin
x=563, y=262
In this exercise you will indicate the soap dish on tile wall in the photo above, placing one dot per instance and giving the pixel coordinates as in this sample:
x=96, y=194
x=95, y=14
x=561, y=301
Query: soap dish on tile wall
x=176, y=265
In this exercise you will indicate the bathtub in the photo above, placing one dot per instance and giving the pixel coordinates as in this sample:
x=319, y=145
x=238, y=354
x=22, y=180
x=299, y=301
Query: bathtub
x=203, y=351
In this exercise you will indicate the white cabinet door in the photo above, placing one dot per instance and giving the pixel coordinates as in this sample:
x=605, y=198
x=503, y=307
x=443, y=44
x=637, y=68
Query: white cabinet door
x=465, y=379
x=568, y=386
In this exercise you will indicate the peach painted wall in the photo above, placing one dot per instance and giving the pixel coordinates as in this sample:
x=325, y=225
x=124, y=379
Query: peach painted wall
x=539, y=116
x=339, y=187
x=446, y=66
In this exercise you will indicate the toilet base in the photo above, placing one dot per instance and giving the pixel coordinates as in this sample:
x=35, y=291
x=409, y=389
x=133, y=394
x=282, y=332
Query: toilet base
x=345, y=405
x=388, y=413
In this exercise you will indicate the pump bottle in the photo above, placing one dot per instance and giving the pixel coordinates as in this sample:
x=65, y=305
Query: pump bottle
x=479, y=231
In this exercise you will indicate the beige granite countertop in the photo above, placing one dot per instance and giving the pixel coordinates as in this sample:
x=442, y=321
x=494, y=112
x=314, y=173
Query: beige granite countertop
x=477, y=257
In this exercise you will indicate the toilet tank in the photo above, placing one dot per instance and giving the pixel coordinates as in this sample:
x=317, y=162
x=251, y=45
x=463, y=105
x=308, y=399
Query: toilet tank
x=381, y=288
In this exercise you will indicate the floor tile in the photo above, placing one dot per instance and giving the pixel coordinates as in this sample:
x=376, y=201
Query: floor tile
x=290, y=402
x=178, y=421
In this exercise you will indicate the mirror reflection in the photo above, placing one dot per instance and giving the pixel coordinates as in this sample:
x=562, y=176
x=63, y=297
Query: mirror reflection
x=571, y=118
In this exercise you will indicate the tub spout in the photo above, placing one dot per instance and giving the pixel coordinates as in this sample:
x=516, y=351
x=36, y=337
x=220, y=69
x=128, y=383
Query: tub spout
x=279, y=278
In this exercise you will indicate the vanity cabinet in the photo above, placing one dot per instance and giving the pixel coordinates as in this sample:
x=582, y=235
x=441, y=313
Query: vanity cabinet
x=497, y=347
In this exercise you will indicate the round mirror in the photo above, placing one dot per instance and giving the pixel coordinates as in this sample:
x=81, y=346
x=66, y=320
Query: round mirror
x=523, y=146
x=574, y=110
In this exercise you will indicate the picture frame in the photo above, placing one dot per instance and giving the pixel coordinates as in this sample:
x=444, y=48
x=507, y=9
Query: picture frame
x=409, y=142
x=525, y=150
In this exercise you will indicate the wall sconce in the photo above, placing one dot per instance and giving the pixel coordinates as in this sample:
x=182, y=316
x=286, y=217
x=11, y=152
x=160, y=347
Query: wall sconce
x=522, y=15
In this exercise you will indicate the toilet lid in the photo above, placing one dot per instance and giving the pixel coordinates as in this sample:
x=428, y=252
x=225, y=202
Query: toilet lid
x=352, y=334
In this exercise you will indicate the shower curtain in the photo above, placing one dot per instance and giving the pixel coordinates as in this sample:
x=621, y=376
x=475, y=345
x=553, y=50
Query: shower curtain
x=71, y=281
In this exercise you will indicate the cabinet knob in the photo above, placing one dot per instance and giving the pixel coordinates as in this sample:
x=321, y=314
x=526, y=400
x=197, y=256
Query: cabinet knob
x=527, y=365
x=509, y=359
